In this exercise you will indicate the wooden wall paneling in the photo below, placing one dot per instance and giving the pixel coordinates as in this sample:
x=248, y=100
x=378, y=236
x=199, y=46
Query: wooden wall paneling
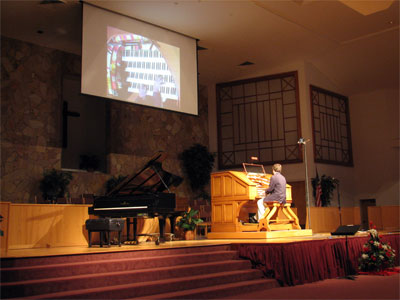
x=357, y=215
x=324, y=219
x=47, y=225
x=4, y=225
x=390, y=217
x=375, y=216
x=348, y=216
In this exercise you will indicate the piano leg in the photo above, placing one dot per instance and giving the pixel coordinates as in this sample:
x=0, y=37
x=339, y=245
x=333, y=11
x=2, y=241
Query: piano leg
x=129, y=222
x=172, y=220
x=135, y=231
x=128, y=229
x=161, y=223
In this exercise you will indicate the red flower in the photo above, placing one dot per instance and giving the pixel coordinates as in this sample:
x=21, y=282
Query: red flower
x=373, y=258
x=380, y=246
x=371, y=241
x=388, y=254
x=366, y=249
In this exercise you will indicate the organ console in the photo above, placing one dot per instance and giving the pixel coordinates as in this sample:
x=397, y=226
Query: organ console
x=234, y=196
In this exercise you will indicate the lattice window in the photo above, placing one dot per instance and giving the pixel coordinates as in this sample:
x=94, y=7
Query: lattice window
x=331, y=127
x=258, y=117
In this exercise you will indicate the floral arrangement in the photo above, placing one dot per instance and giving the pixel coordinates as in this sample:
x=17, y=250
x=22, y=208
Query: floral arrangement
x=376, y=256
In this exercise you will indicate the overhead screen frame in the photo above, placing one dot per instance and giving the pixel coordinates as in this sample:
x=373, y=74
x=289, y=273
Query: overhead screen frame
x=194, y=91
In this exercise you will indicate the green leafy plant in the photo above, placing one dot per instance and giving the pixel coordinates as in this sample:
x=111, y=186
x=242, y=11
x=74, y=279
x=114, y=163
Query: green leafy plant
x=54, y=184
x=376, y=256
x=198, y=163
x=113, y=181
x=189, y=220
x=327, y=186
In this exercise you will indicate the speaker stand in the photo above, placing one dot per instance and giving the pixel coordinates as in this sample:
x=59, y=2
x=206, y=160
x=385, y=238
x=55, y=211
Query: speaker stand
x=346, y=231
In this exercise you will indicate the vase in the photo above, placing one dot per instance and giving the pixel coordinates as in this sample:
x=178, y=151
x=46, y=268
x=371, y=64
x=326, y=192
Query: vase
x=189, y=235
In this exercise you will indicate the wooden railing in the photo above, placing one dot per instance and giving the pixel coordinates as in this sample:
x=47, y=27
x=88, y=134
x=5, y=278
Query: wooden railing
x=327, y=219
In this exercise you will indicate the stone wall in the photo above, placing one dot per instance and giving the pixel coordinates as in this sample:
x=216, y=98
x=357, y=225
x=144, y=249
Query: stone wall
x=31, y=112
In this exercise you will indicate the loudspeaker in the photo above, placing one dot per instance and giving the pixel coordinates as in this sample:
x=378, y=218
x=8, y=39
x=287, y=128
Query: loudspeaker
x=346, y=230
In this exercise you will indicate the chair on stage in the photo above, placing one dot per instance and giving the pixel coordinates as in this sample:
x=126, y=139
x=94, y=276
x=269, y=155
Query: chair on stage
x=205, y=215
x=278, y=216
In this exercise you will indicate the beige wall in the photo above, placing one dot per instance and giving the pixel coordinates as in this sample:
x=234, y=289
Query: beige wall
x=375, y=133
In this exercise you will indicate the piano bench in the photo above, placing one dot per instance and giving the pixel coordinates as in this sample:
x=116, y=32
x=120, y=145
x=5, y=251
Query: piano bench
x=104, y=226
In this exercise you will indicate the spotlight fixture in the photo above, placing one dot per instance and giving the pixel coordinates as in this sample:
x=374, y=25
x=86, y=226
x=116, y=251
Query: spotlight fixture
x=52, y=2
x=246, y=63
x=199, y=48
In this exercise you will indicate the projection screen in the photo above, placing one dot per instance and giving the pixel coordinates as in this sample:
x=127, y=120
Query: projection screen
x=130, y=60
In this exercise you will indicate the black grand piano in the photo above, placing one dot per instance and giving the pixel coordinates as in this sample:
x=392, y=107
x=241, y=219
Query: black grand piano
x=145, y=194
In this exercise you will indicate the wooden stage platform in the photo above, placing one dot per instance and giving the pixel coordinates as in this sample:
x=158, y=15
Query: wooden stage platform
x=150, y=245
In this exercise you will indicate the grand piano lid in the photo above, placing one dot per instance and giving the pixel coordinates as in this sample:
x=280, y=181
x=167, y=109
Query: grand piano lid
x=150, y=179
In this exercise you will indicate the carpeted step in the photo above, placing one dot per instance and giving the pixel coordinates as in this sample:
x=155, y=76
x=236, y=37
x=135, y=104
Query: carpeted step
x=15, y=274
x=141, y=289
x=219, y=291
x=59, y=284
x=122, y=254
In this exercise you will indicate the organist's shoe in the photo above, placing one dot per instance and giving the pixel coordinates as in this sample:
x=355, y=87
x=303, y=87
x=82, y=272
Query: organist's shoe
x=253, y=219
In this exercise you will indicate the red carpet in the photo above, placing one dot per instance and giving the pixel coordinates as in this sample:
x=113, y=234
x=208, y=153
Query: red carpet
x=363, y=287
x=195, y=272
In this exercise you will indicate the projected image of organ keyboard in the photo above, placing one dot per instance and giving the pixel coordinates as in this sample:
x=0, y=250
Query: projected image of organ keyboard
x=142, y=70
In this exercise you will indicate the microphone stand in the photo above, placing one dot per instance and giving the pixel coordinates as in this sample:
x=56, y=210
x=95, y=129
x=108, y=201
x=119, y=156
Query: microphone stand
x=340, y=208
x=304, y=142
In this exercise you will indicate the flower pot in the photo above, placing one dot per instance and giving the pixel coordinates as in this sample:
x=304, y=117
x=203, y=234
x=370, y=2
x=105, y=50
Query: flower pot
x=189, y=235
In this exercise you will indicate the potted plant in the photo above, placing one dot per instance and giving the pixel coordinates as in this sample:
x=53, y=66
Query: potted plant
x=327, y=185
x=197, y=164
x=54, y=184
x=89, y=162
x=188, y=222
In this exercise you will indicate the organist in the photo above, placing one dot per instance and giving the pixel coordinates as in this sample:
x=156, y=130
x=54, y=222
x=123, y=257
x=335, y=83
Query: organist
x=276, y=190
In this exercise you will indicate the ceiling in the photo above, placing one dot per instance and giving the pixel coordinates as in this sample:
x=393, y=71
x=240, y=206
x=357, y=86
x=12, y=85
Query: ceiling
x=355, y=44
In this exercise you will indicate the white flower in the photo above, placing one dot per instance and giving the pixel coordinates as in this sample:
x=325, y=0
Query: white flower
x=364, y=256
x=381, y=257
x=384, y=246
x=376, y=244
x=373, y=232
